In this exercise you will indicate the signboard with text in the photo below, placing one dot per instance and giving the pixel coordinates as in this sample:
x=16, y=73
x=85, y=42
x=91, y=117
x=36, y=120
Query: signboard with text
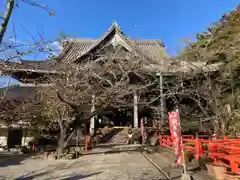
x=174, y=125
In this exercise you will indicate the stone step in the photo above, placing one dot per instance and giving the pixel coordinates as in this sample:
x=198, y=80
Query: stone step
x=120, y=137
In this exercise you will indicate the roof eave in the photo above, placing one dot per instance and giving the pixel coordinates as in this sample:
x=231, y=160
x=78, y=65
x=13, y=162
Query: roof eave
x=12, y=70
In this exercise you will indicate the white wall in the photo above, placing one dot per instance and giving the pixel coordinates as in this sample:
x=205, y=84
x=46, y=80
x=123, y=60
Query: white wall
x=3, y=137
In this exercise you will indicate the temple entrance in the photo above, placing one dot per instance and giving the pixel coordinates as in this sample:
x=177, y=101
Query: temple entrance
x=117, y=117
x=14, y=137
x=123, y=118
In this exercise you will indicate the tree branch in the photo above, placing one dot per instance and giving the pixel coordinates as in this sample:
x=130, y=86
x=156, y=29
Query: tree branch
x=44, y=7
x=7, y=15
x=74, y=106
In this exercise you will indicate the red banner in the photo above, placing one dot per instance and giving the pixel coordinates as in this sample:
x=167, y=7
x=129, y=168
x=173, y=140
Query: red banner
x=174, y=124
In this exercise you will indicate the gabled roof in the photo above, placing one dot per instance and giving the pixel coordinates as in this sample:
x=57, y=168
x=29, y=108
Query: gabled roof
x=78, y=49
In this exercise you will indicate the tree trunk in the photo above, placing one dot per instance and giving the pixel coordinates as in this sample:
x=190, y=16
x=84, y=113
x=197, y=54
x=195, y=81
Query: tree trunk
x=7, y=15
x=223, y=128
x=63, y=141
x=61, y=144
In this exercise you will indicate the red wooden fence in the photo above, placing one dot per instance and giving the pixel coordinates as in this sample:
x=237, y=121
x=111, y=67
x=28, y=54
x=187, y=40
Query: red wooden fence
x=221, y=151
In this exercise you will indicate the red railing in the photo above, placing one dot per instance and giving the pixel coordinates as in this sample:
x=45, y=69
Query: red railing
x=166, y=141
x=221, y=151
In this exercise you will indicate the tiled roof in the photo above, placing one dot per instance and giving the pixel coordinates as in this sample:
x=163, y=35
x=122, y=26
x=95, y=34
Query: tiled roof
x=45, y=65
x=74, y=50
x=175, y=65
x=154, y=48
x=76, y=47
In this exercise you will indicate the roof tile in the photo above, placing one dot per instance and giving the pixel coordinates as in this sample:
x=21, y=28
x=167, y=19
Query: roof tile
x=153, y=48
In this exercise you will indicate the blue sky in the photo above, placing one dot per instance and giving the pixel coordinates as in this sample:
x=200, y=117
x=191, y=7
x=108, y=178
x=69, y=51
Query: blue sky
x=168, y=20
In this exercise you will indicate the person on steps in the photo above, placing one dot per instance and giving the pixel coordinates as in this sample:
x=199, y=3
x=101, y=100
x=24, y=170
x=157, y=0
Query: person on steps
x=130, y=136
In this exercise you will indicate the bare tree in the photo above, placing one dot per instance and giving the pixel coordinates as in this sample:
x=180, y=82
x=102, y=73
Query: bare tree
x=112, y=80
x=24, y=111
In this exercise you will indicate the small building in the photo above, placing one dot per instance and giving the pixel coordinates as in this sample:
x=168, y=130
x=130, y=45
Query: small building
x=14, y=131
x=16, y=135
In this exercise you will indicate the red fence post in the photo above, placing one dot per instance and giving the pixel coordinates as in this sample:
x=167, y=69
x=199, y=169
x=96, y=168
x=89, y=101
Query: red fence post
x=199, y=150
x=211, y=150
x=234, y=166
x=86, y=143
x=225, y=138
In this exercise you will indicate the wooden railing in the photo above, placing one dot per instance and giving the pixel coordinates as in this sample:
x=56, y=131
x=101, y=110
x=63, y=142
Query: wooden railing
x=223, y=151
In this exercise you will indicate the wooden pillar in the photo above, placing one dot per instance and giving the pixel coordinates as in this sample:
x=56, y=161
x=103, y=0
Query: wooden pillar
x=162, y=99
x=135, y=110
x=92, y=121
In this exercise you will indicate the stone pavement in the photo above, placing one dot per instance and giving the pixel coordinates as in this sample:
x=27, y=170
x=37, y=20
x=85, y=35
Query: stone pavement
x=117, y=166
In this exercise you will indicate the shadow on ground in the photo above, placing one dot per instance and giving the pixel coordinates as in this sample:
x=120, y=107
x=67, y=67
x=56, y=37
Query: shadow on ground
x=32, y=175
x=72, y=177
x=76, y=177
x=15, y=159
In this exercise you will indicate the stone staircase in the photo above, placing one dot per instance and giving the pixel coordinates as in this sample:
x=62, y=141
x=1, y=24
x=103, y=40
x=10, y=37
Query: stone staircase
x=116, y=142
x=121, y=137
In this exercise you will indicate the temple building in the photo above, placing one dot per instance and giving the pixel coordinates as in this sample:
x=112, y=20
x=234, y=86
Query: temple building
x=79, y=50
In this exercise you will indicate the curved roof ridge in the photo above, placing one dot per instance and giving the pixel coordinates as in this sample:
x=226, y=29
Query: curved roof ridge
x=113, y=28
x=97, y=42
x=85, y=40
